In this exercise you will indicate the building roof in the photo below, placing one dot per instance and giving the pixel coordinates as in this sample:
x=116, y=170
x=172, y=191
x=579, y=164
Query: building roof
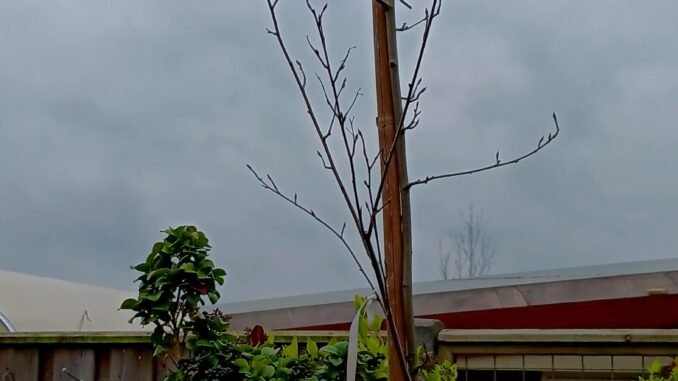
x=437, y=298
x=34, y=303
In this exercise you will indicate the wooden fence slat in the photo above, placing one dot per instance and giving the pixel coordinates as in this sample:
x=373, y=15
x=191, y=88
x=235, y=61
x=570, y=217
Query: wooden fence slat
x=125, y=364
x=80, y=362
x=19, y=364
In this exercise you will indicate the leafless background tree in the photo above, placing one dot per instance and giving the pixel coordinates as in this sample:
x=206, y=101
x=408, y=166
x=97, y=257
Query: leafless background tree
x=471, y=248
x=361, y=173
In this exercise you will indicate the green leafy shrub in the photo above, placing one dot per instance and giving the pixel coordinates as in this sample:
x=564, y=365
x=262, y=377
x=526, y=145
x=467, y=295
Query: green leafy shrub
x=175, y=280
x=660, y=372
x=444, y=371
x=309, y=362
x=211, y=350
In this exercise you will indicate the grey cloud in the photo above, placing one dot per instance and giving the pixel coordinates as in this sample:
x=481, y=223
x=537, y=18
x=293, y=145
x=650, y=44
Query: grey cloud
x=119, y=119
x=566, y=206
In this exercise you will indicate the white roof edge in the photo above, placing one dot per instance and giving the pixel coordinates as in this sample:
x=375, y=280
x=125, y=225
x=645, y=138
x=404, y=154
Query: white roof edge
x=430, y=287
x=36, y=303
x=39, y=278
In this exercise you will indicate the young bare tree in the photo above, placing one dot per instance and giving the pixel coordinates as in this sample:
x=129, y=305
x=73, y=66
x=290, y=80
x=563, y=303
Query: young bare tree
x=373, y=183
x=471, y=248
x=444, y=257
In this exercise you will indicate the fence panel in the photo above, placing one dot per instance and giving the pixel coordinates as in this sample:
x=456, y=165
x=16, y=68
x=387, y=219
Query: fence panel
x=96, y=356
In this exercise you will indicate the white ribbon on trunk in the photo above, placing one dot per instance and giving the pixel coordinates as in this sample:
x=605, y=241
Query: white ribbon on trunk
x=371, y=309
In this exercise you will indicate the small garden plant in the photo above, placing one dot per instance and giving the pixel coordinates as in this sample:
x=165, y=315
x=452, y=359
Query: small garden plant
x=176, y=281
x=662, y=372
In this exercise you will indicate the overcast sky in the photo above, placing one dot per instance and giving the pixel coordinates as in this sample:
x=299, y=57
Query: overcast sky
x=120, y=118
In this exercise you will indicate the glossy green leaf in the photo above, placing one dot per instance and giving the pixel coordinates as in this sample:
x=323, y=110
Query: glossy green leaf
x=129, y=304
x=311, y=348
x=292, y=350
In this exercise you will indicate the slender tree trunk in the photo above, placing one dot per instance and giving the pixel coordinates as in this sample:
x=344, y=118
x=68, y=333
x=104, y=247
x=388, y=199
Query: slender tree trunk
x=396, y=212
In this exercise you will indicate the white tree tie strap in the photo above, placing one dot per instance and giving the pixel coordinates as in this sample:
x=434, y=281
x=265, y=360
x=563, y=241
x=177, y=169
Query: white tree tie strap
x=371, y=310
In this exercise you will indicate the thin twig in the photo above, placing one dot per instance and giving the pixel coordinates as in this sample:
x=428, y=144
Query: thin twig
x=309, y=108
x=406, y=26
x=370, y=163
x=335, y=104
x=498, y=163
x=270, y=186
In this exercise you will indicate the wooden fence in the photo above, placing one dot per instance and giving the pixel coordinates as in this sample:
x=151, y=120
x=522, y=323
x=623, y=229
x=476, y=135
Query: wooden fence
x=90, y=356
x=489, y=355
x=86, y=356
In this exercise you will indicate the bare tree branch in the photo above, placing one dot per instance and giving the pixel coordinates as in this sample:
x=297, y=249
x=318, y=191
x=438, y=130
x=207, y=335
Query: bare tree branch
x=474, y=254
x=309, y=107
x=389, y=3
x=352, y=205
x=498, y=163
x=443, y=261
x=405, y=3
x=471, y=248
x=303, y=74
x=364, y=208
x=405, y=27
x=328, y=156
x=371, y=206
x=335, y=104
x=271, y=186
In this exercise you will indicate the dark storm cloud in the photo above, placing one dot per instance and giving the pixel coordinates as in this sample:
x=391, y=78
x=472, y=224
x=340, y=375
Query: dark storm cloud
x=119, y=119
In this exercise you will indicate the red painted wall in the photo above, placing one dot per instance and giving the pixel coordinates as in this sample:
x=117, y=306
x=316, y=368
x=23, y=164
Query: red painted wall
x=658, y=311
